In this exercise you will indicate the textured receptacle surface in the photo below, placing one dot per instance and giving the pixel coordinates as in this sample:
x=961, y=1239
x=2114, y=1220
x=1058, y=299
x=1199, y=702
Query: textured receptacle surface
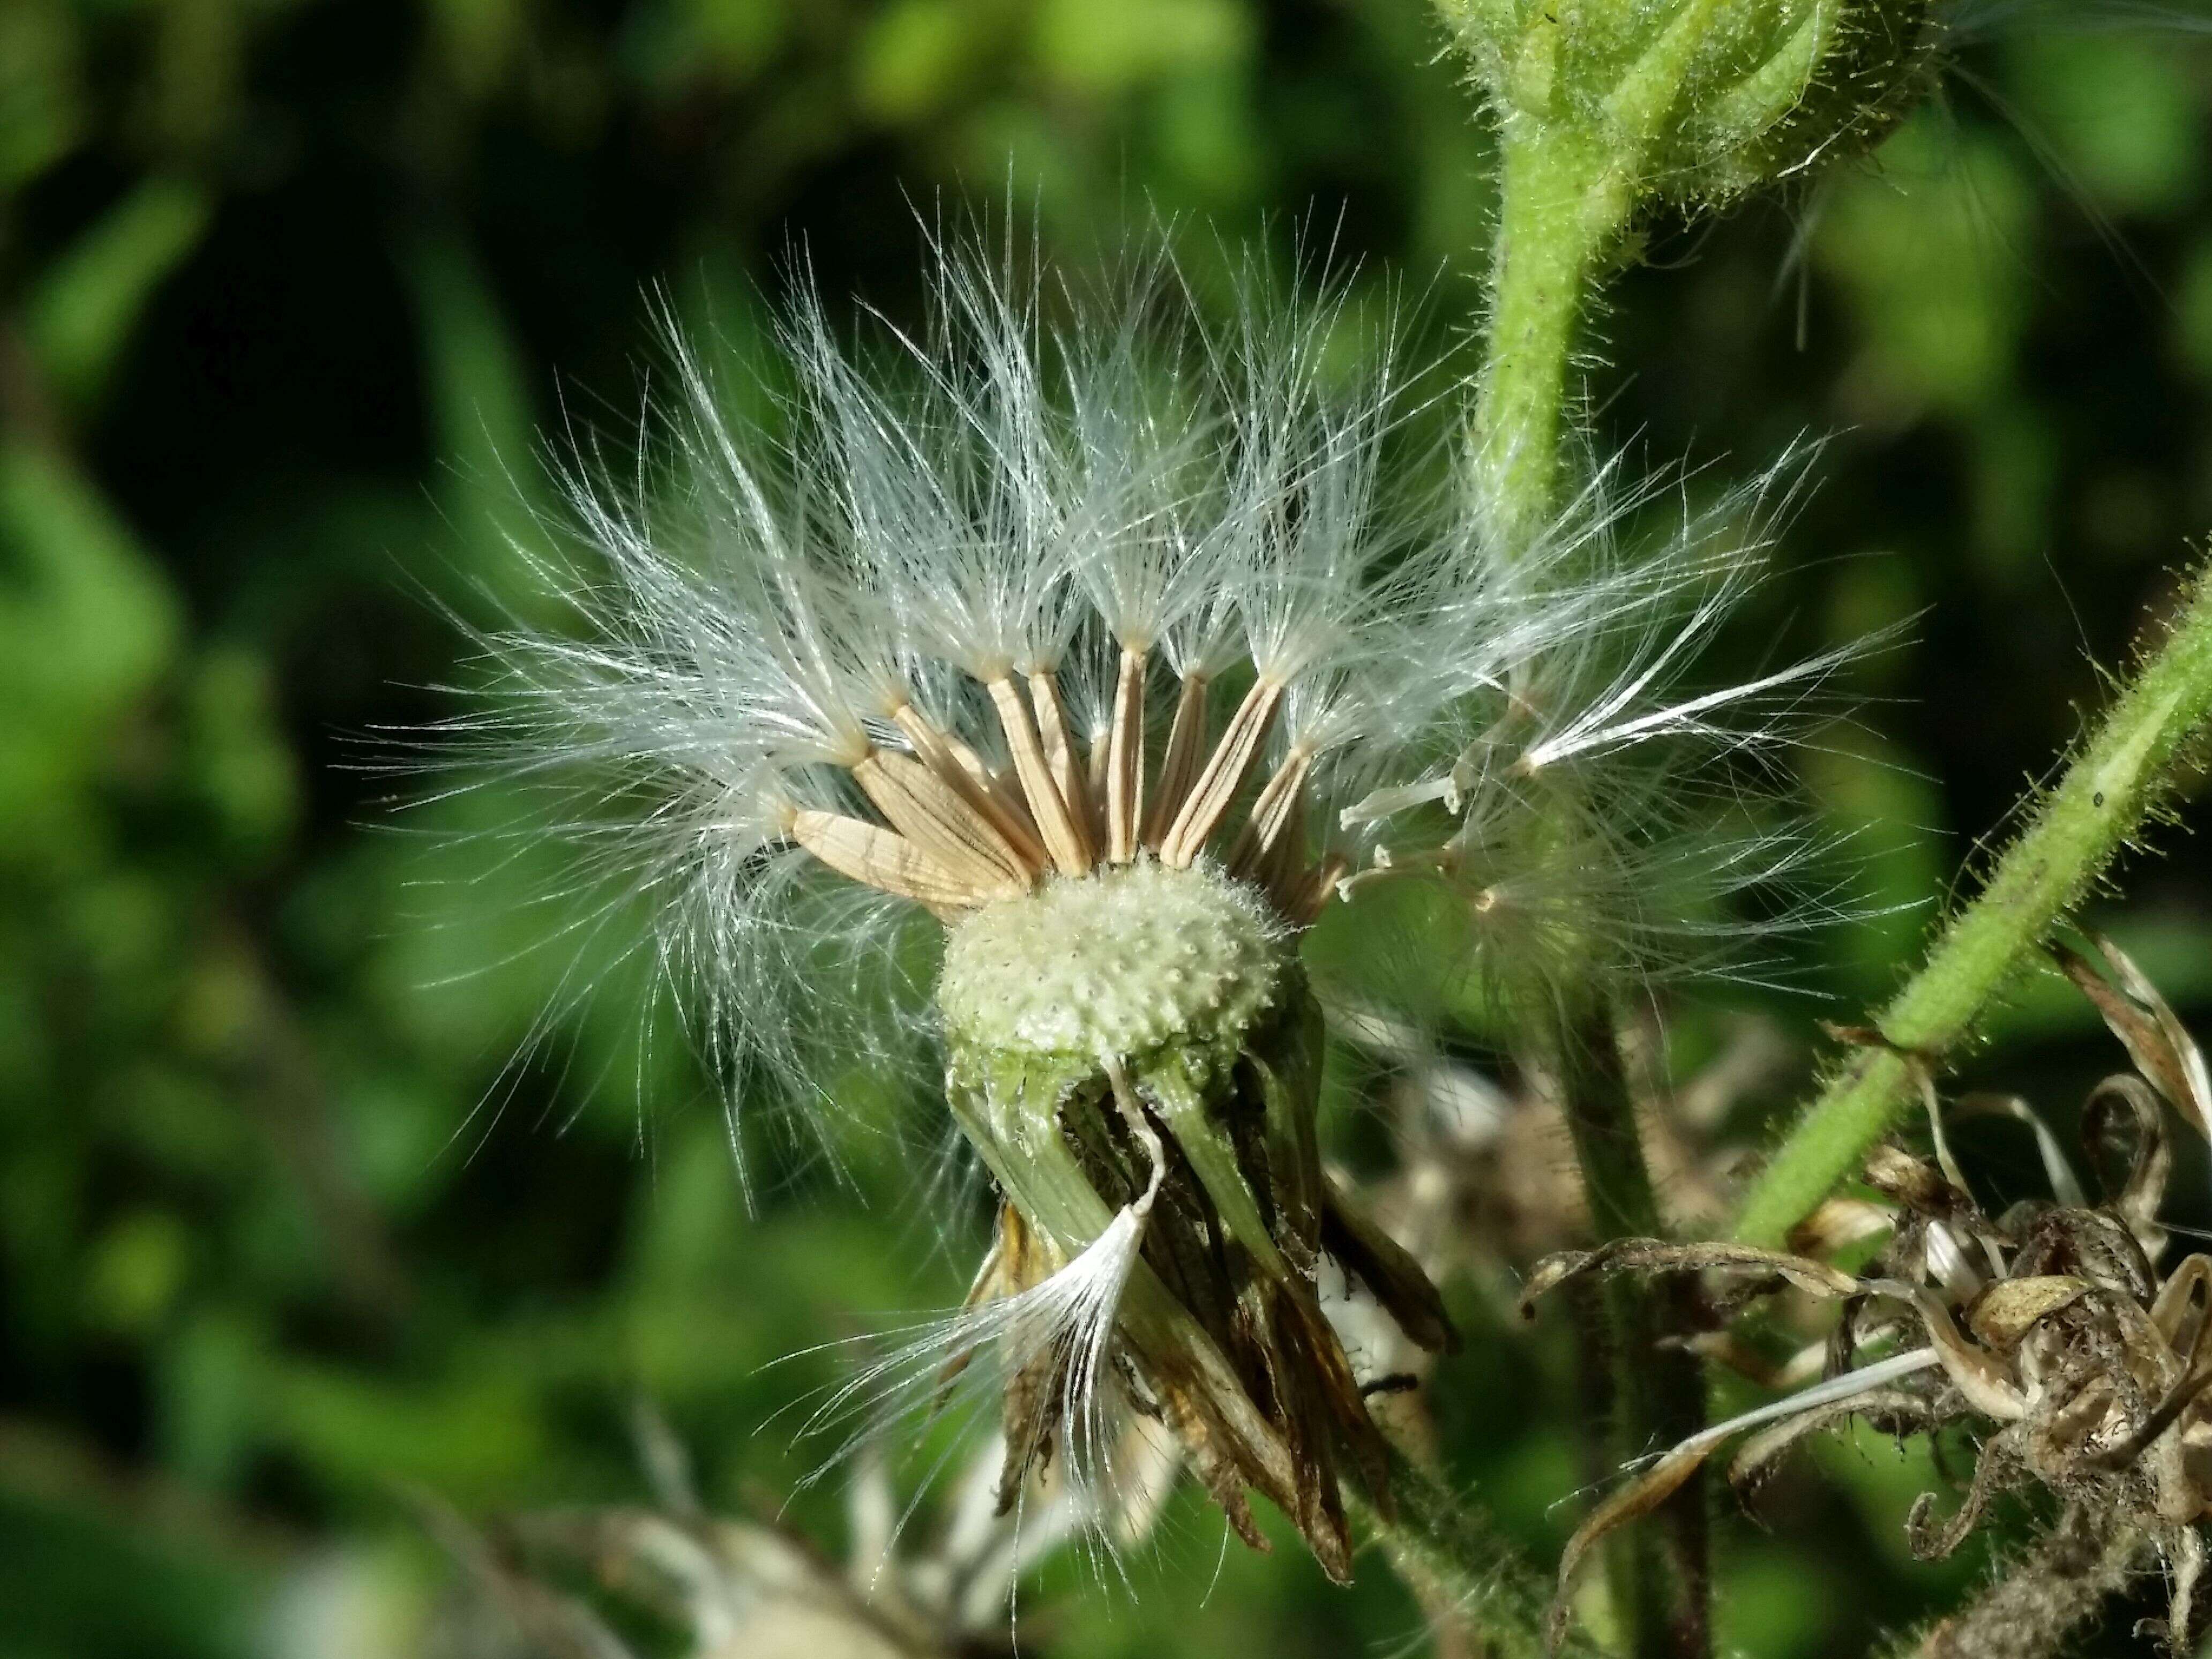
x=1117, y=963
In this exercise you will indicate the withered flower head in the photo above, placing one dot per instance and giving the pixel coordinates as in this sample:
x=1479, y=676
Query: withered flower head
x=577, y=1582
x=2051, y=1331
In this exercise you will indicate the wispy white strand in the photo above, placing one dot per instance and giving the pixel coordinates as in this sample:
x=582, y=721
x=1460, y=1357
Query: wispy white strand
x=958, y=1367
x=995, y=494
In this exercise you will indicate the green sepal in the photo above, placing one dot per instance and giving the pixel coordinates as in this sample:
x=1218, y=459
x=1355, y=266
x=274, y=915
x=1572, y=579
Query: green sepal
x=1288, y=1073
x=1008, y=1105
x=1021, y=1108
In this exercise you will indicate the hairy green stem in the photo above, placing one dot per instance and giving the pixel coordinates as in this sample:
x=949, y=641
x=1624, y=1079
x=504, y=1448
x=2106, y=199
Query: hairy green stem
x=1444, y=1549
x=1601, y=1113
x=1661, y=1391
x=1564, y=200
x=2098, y=806
x=1563, y=204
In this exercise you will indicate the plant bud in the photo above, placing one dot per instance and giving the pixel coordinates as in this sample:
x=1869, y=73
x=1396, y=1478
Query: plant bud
x=1697, y=102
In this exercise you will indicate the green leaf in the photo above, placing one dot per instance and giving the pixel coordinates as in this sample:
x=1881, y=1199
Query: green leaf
x=482, y=419
x=83, y=311
x=41, y=109
x=86, y=628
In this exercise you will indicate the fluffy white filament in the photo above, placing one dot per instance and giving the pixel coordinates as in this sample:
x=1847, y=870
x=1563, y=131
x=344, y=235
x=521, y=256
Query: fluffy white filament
x=931, y=523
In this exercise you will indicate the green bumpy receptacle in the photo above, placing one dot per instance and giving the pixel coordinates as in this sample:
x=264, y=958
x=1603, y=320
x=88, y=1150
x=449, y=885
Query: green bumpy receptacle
x=1180, y=977
x=1123, y=963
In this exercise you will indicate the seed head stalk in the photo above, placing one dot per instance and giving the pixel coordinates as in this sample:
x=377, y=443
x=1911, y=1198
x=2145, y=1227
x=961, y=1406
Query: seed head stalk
x=1574, y=1038
x=1564, y=202
x=1447, y=1551
x=2099, y=804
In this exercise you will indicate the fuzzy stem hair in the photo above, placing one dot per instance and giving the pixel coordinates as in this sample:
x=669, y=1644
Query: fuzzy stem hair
x=1443, y=1548
x=1561, y=206
x=2041, y=1599
x=2116, y=782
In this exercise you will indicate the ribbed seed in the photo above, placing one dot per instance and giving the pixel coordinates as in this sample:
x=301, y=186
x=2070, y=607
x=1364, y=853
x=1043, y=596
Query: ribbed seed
x=1061, y=759
x=1306, y=895
x=927, y=811
x=1070, y=849
x=1306, y=890
x=884, y=859
x=1278, y=869
x=1226, y=768
x=1179, y=766
x=1125, y=760
x=964, y=768
x=1094, y=770
x=1281, y=807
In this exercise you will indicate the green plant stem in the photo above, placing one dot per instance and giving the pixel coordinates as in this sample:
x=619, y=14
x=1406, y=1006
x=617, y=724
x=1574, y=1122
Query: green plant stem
x=2097, y=806
x=1452, y=1557
x=1562, y=207
x=1564, y=200
x=1601, y=1113
x=1660, y=1389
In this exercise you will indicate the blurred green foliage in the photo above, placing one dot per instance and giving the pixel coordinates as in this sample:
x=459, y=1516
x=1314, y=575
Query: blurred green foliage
x=288, y=289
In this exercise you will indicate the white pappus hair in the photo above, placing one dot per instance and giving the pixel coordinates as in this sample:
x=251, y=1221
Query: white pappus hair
x=817, y=680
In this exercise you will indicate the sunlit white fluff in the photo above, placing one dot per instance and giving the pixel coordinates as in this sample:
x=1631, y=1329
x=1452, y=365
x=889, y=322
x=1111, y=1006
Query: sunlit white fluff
x=1108, y=1461
x=1001, y=497
x=1063, y=1325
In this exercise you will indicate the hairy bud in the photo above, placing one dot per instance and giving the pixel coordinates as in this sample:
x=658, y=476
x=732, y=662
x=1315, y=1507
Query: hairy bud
x=1696, y=101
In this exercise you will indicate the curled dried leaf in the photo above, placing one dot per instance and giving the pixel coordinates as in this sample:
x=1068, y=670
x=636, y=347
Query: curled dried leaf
x=1919, y=1187
x=1993, y=1470
x=1667, y=1476
x=1838, y=1223
x=2178, y=1314
x=2179, y=1399
x=1631, y=1503
x=1755, y=1459
x=2150, y=1154
x=1989, y=1388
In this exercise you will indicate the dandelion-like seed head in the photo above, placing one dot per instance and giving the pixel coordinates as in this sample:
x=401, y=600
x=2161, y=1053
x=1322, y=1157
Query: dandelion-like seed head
x=1107, y=656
